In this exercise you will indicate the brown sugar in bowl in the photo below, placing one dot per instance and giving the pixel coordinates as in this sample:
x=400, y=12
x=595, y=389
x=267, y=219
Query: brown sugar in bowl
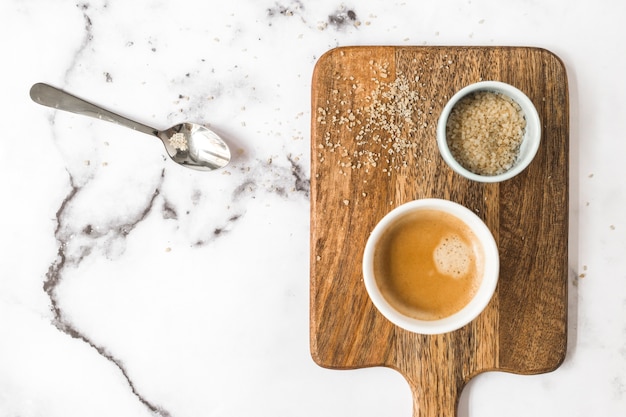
x=489, y=131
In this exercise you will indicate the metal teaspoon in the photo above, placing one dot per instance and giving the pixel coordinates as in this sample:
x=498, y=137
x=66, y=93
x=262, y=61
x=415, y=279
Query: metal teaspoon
x=188, y=144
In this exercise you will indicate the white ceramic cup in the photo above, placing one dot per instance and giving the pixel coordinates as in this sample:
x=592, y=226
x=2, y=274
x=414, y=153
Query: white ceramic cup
x=530, y=141
x=484, y=293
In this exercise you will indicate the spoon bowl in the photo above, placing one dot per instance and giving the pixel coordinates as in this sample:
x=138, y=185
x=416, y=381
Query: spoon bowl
x=188, y=144
x=195, y=146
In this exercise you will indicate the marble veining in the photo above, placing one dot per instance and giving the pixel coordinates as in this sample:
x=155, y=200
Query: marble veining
x=131, y=286
x=73, y=247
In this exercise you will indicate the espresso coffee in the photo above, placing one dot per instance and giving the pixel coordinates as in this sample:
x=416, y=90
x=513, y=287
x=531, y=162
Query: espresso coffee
x=428, y=264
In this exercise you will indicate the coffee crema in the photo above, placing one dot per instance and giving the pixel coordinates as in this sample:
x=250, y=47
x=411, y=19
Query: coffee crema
x=428, y=264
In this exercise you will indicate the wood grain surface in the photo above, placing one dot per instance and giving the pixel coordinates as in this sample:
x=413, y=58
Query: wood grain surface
x=368, y=100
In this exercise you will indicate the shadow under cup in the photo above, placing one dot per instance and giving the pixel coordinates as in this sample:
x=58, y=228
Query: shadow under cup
x=423, y=249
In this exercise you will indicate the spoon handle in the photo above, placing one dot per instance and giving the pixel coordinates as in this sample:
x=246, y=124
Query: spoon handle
x=58, y=99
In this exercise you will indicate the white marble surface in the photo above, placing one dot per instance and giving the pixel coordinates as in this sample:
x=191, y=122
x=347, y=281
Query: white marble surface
x=132, y=287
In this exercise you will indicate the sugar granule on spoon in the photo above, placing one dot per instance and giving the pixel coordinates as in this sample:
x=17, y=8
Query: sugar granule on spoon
x=179, y=141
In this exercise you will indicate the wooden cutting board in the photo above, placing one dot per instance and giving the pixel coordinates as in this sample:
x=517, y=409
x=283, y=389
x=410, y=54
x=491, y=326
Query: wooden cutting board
x=368, y=100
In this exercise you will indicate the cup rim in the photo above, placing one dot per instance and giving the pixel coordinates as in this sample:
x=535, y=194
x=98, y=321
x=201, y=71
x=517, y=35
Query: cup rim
x=530, y=142
x=483, y=294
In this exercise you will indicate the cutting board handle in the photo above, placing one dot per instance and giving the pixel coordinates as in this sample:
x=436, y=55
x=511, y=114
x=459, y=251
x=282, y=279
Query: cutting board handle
x=436, y=389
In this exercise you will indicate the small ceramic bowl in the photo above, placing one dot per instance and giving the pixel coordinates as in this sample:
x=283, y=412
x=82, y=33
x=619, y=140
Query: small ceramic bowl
x=530, y=141
x=485, y=290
